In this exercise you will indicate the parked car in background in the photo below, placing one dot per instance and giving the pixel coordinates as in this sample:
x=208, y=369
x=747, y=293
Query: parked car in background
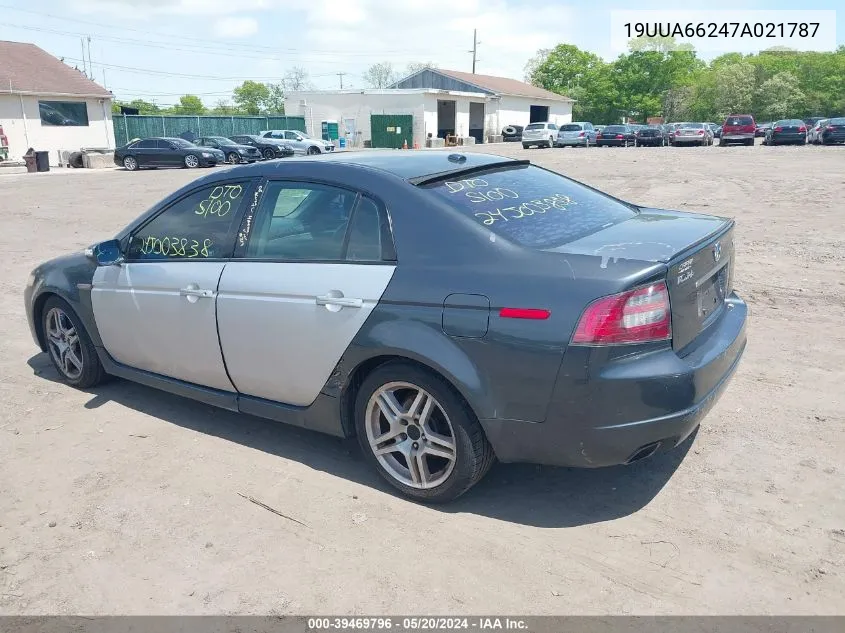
x=833, y=132
x=539, y=135
x=166, y=151
x=512, y=133
x=713, y=127
x=738, y=128
x=786, y=131
x=811, y=122
x=651, y=135
x=717, y=132
x=599, y=128
x=761, y=129
x=293, y=295
x=300, y=141
x=636, y=127
x=693, y=134
x=235, y=152
x=814, y=133
x=581, y=134
x=615, y=135
x=270, y=148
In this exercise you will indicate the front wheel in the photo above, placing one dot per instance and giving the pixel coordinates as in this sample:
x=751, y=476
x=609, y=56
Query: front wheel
x=191, y=161
x=313, y=150
x=232, y=158
x=70, y=348
x=419, y=434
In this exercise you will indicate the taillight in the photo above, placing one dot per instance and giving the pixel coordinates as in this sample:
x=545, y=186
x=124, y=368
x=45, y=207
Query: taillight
x=701, y=132
x=598, y=135
x=619, y=136
x=802, y=129
x=635, y=316
x=581, y=134
x=830, y=128
x=778, y=129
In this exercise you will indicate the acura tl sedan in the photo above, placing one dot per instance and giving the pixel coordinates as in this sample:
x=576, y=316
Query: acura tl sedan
x=447, y=309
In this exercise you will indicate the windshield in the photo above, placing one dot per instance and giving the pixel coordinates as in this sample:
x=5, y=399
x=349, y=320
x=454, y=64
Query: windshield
x=570, y=127
x=531, y=206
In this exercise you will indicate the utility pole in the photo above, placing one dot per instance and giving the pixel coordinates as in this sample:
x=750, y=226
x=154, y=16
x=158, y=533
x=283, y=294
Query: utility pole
x=90, y=65
x=474, y=50
x=84, y=67
x=341, y=79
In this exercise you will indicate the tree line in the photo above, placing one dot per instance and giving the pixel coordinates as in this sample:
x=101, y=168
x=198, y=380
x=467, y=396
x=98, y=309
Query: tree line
x=257, y=98
x=658, y=77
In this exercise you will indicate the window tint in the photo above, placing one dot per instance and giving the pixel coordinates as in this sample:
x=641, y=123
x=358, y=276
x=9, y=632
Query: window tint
x=535, y=126
x=570, y=127
x=552, y=126
x=146, y=144
x=531, y=206
x=289, y=135
x=739, y=120
x=301, y=221
x=837, y=121
x=69, y=113
x=365, y=232
x=616, y=129
x=197, y=227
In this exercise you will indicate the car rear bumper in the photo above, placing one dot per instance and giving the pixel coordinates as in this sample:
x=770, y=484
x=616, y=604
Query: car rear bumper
x=632, y=407
x=562, y=142
x=611, y=141
x=690, y=139
x=737, y=137
x=797, y=137
x=649, y=140
x=833, y=138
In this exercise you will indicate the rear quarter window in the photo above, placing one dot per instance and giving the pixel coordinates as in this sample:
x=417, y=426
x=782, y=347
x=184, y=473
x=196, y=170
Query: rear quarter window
x=530, y=206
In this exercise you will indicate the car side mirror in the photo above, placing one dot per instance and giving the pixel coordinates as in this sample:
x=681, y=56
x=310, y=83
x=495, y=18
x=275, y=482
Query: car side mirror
x=108, y=253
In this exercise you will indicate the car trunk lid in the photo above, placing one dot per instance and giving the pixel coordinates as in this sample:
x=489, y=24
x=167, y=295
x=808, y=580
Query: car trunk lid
x=699, y=253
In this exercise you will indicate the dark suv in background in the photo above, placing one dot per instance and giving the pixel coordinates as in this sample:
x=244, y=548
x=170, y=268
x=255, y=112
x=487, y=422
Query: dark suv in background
x=738, y=128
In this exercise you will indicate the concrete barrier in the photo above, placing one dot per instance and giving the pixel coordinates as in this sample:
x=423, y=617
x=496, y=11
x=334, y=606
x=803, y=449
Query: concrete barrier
x=97, y=160
x=435, y=142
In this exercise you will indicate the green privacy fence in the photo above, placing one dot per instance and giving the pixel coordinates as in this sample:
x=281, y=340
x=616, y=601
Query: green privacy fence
x=129, y=126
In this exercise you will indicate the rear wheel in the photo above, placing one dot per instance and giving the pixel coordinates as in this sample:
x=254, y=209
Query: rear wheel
x=69, y=346
x=524, y=146
x=419, y=434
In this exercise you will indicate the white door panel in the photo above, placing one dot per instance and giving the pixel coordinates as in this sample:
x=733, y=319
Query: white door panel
x=284, y=326
x=160, y=317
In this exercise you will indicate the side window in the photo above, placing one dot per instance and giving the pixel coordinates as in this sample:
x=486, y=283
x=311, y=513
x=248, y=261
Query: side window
x=367, y=231
x=290, y=136
x=198, y=226
x=301, y=221
x=148, y=144
x=162, y=144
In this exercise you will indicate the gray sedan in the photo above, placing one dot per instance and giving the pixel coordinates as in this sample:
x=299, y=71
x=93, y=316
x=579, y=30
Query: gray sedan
x=447, y=309
x=300, y=142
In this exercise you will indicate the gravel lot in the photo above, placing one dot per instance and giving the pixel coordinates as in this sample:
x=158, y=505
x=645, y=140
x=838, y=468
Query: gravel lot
x=124, y=500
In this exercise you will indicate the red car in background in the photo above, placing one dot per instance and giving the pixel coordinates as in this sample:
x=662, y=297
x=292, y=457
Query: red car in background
x=738, y=128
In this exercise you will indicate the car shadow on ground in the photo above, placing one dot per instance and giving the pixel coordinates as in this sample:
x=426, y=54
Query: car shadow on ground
x=518, y=493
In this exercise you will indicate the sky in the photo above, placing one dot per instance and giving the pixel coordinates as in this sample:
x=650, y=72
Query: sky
x=158, y=50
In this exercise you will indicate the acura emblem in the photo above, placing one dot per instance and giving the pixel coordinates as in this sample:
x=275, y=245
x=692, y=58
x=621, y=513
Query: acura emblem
x=717, y=251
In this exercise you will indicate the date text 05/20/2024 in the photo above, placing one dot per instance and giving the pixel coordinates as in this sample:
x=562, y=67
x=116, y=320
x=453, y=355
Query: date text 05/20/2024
x=416, y=624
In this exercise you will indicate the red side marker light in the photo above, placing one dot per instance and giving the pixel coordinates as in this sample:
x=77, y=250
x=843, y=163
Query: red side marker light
x=524, y=313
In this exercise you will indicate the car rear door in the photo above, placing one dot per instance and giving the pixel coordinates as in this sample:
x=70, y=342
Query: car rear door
x=310, y=266
x=156, y=311
x=145, y=152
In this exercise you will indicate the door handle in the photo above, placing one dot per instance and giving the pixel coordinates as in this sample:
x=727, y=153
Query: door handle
x=196, y=292
x=343, y=302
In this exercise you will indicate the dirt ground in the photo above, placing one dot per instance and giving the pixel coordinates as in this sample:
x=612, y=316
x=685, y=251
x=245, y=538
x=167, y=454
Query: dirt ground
x=125, y=500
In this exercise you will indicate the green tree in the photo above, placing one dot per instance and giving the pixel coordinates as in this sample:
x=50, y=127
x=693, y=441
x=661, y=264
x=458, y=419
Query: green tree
x=734, y=89
x=188, y=104
x=250, y=96
x=143, y=107
x=275, y=101
x=658, y=43
x=780, y=97
x=564, y=68
x=223, y=107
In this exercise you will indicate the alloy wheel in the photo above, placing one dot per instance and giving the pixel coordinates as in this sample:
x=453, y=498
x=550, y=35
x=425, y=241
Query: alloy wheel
x=233, y=158
x=410, y=435
x=130, y=163
x=191, y=161
x=64, y=344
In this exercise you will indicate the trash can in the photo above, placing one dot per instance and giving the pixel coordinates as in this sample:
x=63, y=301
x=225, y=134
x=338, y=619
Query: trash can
x=42, y=161
x=342, y=142
x=29, y=159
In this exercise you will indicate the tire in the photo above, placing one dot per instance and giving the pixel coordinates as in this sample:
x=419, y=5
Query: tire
x=313, y=151
x=749, y=142
x=524, y=146
x=70, y=342
x=509, y=131
x=233, y=158
x=803, y=142
x=191, y=161
x=551, y=142
x=75, y=160
x=450, y=418
x=268, y=153
x=722, y=143
x=130, y=163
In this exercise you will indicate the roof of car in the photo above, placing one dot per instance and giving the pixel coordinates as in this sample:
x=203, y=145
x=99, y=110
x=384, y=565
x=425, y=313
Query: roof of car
x=413, y=165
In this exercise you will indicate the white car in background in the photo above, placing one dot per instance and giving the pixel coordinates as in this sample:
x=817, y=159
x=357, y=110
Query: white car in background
x=539, y=134
x=300, y=141
x=814, y=135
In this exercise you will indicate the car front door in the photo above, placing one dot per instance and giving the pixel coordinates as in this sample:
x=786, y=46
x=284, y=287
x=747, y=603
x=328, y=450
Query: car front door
x=310, y=267
x=156, y=310
x=297, y=142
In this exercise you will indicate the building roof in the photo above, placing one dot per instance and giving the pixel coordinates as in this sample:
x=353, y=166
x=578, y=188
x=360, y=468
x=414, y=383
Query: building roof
x=487, y=83
x=25, y=68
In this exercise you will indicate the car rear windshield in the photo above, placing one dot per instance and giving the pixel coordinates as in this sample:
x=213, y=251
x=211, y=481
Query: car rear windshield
x=691, y=126
x=837, y=121
x=615, y=128
x=739, y=120
x=570, y=127
x=536, y=126
x=531, y=206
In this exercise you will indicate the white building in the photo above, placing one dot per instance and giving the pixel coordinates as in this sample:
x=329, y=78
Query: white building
x=441, y=102
x=47, y=105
